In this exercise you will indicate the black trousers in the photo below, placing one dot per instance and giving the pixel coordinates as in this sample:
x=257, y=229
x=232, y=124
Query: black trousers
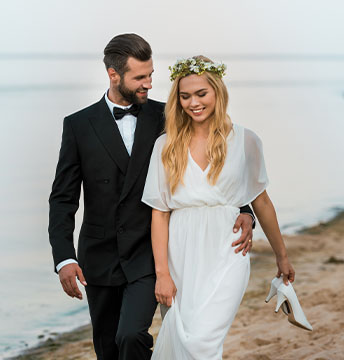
x=121, y=317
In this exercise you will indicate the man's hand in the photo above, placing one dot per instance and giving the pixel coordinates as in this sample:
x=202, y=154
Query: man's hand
x=243, y=221
x=67, y=278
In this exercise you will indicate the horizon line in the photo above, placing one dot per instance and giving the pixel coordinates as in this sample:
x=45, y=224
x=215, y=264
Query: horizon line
x=232, y=57
x=231, y=84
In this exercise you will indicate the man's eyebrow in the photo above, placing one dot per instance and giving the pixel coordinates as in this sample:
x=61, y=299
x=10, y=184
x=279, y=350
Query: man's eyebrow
x=196, y=92
x=142, y=76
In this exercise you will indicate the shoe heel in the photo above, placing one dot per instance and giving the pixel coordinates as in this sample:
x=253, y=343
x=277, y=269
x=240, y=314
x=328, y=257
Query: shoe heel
x=280, y=300
x=272, y=293
x=275, y=283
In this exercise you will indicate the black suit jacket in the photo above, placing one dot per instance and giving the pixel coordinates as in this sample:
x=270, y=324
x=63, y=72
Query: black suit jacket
x=114, y=242
x=115, y=233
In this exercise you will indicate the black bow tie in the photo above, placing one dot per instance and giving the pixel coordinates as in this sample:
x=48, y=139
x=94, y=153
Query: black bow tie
x=118, y=113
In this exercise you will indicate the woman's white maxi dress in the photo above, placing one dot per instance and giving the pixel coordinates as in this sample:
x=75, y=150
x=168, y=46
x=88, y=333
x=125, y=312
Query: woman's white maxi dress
x=210, y=277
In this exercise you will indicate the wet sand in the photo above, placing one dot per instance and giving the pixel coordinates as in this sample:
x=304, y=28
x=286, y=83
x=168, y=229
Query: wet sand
x=257, y=333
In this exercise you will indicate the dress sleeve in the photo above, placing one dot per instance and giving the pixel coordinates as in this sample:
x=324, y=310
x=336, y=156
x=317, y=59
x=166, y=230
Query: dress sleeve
x=255, y=176
x=156, y=192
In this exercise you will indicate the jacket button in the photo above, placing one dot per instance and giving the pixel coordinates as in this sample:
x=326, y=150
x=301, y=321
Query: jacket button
x=121, y=230
x=106, y=181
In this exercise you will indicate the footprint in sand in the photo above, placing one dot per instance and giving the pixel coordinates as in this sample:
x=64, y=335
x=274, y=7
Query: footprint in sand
x=262, y=342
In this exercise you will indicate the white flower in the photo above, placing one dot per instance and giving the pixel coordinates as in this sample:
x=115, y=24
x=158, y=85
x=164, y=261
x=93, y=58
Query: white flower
x=198, y=66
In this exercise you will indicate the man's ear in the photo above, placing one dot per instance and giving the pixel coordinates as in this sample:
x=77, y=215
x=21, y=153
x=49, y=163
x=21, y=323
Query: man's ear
x=114, y=76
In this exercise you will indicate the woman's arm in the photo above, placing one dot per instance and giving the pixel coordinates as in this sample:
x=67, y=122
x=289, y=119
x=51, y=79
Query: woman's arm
x=266, y=215
x=164, y=287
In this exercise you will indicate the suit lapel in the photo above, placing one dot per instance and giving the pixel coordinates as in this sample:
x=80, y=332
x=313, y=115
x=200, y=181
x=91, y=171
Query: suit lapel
x=107, y=131
x=145, y=136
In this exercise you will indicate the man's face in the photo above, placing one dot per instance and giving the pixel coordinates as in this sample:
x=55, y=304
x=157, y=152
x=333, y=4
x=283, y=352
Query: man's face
x=136, y=82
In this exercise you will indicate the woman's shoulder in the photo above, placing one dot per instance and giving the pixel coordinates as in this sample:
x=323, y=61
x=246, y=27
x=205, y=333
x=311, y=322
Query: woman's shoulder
x=247, y=134
x=160, y=142
x=161, y=139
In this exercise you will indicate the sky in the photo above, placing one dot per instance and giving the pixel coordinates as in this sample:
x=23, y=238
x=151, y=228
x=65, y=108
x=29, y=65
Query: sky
x=224, y=30
x=182, y=26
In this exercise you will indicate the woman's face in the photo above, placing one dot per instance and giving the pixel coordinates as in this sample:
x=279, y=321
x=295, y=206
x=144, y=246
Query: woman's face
x=197, y=97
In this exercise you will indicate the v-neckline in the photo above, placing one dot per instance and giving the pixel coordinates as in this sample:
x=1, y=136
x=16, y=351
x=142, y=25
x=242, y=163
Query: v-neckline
x=192, y=159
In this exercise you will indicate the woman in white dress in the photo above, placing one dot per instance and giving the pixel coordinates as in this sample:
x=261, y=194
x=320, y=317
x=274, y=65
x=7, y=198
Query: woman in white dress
x=201, y=171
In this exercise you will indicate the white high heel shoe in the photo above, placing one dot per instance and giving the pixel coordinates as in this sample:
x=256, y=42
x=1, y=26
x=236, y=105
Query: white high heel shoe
x=286, y=295
x=275, y=283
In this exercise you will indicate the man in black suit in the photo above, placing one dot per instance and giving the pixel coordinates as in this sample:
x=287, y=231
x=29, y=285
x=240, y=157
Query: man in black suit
x=106, y=147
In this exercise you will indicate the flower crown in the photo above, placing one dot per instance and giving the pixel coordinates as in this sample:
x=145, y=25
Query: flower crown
x=197, y=66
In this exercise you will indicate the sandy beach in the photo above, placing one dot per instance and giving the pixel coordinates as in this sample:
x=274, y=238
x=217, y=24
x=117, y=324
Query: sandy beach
x=257, y=333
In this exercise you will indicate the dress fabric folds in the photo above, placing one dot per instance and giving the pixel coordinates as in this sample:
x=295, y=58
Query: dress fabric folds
x=210, y=277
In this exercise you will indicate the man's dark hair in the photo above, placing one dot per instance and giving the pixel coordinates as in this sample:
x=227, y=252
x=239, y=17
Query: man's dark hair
x=121, y=47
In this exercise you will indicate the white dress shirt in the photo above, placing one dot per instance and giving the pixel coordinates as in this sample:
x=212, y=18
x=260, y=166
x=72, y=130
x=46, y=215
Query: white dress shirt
x=126, y=127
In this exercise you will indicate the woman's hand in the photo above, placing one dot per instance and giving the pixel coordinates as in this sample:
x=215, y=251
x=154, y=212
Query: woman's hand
x=165, y=289
x=285, y=268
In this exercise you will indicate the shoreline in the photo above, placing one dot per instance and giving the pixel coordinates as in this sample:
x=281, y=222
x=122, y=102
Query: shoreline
x=80, y=334
x=257, y=332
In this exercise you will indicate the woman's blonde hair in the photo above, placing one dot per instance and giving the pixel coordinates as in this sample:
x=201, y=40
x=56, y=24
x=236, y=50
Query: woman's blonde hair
x=178, y=129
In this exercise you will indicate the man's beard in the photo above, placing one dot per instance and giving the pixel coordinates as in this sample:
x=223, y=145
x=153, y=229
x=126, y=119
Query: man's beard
x=130, y=95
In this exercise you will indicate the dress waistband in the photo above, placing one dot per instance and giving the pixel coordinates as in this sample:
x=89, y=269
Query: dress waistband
x=208, y=207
